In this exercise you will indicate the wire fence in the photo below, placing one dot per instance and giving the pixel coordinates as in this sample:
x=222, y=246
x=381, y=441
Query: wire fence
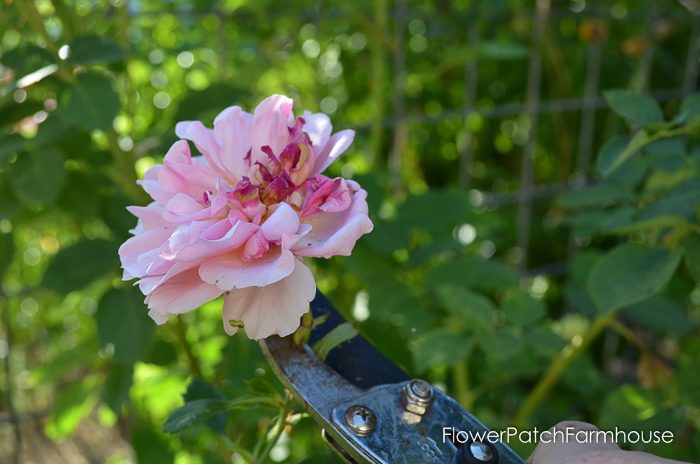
x=534, y=106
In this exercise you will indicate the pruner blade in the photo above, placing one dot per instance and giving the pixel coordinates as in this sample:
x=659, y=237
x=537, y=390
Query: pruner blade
x=370, y=411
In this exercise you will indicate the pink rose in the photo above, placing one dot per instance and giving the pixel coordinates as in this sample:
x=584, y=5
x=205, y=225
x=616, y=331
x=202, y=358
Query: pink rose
x=238, y=220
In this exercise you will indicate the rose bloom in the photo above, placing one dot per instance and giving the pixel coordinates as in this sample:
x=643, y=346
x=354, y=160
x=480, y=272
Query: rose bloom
x=238, y=220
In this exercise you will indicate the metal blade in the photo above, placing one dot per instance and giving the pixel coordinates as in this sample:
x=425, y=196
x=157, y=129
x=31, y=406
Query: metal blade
x=354, y=374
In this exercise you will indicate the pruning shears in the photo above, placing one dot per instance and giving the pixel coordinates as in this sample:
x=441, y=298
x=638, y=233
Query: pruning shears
x=370, y=411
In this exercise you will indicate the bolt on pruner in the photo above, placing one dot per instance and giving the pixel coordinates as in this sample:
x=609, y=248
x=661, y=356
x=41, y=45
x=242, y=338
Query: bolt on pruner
x=369, y=410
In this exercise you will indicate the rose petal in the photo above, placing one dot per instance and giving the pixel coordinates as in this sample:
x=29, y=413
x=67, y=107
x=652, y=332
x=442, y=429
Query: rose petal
x=336, y=146
x=283, y=220
x=136, y=246
x=272, y=310
x=203, y=247
x=203, y=139
x=318, y=126
x=182, y=293
x=232, y=131
x=150, y=217
x=256, y=247
x=229, y=272
x=270, y=125
x=182, y=208
x=335, y=234
x=182, y=173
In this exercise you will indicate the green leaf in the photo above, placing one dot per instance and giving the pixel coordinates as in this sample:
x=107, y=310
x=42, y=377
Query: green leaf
x=687, y=383
x=582, y=263
x=66, y=362
x=691, y=107
x=474, y=310
x=76, y=266
x=334, y=338
x=38, y=177
x=116, y=388
x=692, y=255
x=502, y=50
x=595, y=195
x=680, y=201
x=90, y=103
x=93, y=49
x=151, y=446
x=629, y=172
x=10, y=144
x=585, y=378
x=26, y=59
x=392, y=343
x=195, y=412
x=388, y=295
x=666, y=154
x=198, y=389
x=544, y=341
x=73, y=404
x=13, y=113
x=418, y=214
x=115, y=215
x=502, y=343
x=613, y=163
x=472, y=272
x=439, y=347
x=629, y=274
x=591, y=221
x=199, y=104
x=660, y=314
x=634, y=408
x=161, y=352
x=522, y=309
x=7, y=251
x=654, y=224
x=637, y=108
x=122, y=320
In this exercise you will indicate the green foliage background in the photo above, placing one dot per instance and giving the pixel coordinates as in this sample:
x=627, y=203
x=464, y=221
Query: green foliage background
x=600, y=323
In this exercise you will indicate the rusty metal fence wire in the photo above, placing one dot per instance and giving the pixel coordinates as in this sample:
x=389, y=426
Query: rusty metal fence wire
x=533, y=107
x=394, y=16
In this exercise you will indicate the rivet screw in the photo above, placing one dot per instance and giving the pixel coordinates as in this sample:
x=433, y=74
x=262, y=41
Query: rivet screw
x=361, y=420
x=417, y=396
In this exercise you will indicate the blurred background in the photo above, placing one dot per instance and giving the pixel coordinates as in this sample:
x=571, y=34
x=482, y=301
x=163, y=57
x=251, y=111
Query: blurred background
x=502, y=240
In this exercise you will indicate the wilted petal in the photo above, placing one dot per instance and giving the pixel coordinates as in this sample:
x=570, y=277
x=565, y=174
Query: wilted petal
x=329, y=196
x=272, y=310
x=256, y=247
x=335, y=234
